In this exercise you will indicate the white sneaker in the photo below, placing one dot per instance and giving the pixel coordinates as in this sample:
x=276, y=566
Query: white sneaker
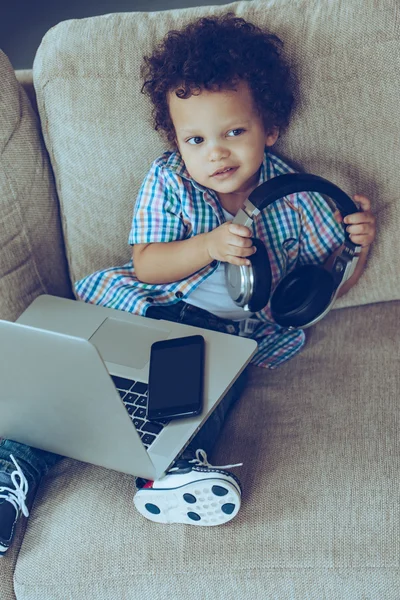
x=192, y=492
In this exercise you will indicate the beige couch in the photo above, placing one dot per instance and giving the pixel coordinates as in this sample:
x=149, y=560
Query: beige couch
x=319, y=437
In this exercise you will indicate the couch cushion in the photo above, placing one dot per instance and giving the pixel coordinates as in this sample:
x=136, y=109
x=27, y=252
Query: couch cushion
x=8, y=562
x=98, y=132
x=319, y=518
x=32, y=259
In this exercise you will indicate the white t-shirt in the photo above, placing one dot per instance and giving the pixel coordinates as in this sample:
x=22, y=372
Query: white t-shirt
x=213, y=295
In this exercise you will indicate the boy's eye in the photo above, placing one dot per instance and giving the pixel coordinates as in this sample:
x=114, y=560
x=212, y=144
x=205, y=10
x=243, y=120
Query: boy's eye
x=195, y=140
x=235, y=132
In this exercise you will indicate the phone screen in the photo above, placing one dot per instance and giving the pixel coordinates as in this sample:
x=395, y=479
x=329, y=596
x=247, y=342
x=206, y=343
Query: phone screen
x=176, y=378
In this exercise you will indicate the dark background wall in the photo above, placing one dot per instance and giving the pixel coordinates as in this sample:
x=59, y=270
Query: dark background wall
x=23, y=23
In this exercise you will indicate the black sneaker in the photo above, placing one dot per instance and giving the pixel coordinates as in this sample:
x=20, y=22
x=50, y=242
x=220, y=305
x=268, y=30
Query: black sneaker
x=192, y=492
x=13, y=491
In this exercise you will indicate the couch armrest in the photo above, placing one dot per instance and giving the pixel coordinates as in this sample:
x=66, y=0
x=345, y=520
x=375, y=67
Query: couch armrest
x=32, y=258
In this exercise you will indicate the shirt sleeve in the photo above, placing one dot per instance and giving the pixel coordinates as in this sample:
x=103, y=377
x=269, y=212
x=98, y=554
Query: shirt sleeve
x=157, y=216
x=320, y=233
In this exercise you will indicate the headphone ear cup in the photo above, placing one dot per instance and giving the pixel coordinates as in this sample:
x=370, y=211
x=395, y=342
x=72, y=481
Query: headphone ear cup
x=262, y=277
x=302, y=296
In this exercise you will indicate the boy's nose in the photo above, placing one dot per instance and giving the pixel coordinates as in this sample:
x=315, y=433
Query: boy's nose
x=217, y=152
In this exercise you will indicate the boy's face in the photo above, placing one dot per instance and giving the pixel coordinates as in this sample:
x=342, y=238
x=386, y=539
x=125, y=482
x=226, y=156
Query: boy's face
x=221, y=138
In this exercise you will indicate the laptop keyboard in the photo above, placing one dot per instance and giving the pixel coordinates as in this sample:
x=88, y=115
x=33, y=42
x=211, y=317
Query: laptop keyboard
x=134, y=396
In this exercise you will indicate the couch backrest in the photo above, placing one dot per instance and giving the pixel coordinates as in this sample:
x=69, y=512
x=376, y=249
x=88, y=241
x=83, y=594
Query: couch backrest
x=346, y=127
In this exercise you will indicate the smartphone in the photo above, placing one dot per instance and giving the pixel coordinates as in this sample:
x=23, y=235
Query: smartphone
x=176, y=378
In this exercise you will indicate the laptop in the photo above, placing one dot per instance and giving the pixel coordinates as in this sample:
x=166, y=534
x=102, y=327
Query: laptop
x=73, y=378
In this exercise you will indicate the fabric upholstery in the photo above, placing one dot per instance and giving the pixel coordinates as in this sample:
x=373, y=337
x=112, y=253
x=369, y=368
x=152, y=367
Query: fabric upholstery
x=25, y=78
x=32, y=259
x=319, y=519
x=99, y=137
x=8, y=562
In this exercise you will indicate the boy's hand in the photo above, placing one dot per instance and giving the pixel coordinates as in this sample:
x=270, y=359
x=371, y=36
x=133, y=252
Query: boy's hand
x=230, y=243
x=360, y=225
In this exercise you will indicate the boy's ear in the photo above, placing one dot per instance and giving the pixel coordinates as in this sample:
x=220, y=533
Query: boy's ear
x=272, y=136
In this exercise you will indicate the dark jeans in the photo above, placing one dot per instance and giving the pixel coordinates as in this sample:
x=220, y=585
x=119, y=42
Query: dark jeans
x=35, y=462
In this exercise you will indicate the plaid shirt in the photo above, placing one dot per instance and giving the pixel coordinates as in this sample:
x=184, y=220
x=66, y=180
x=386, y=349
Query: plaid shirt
x=297, y=230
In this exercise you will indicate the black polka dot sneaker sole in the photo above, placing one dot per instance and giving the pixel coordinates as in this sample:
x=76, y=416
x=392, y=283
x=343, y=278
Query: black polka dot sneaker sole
x=202, y=497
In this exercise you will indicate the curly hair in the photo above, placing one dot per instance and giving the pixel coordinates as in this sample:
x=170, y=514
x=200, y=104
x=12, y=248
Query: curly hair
x=214, y=53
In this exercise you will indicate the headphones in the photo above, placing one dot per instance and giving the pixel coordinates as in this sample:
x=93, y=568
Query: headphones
x=307, y=293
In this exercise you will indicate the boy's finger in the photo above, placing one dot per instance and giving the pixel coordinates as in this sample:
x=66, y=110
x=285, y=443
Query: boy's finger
x=361, y=240
x=236, y=260
x=241, y=242
x=241, y=230
x=359, y=217
x=363, y=202
x=359, y=228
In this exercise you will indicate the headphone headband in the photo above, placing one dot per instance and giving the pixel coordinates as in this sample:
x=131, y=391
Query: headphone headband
x=294, y=183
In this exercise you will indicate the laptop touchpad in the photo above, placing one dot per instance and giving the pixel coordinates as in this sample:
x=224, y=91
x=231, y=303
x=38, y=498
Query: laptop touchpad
x=127, y=344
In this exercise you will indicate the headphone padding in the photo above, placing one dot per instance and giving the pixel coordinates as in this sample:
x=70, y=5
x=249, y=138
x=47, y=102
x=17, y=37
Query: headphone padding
x=302, y=295
x=262, y=277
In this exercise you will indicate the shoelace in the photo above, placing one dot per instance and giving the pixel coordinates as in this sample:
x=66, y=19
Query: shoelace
x=17, y=496
x=201, y=460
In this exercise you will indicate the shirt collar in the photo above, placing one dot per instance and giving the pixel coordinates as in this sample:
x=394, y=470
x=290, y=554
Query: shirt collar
x=265, y=169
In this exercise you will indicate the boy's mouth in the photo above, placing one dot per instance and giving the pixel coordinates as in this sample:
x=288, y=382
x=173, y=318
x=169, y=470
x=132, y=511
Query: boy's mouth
x=226, y=171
